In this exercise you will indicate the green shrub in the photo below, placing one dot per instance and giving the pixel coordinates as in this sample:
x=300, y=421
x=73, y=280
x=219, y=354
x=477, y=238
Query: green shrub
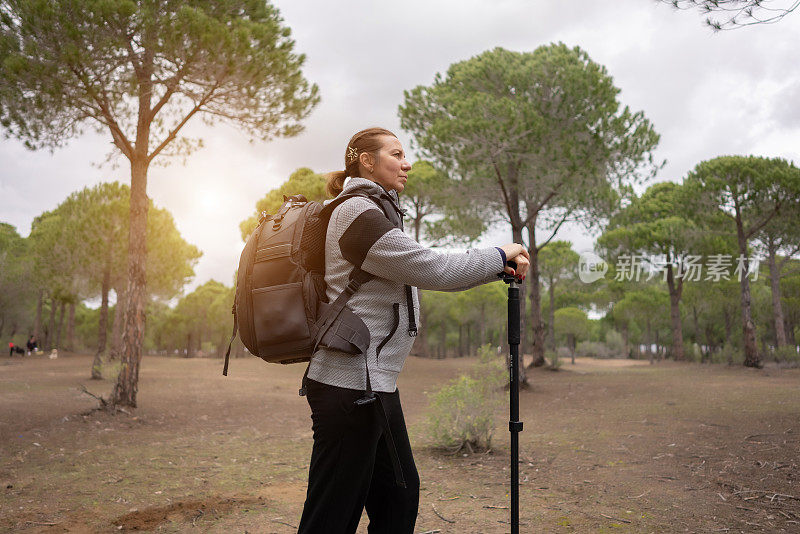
x=461, y=413
x=787, y=354
x=691, y=351
x=554, y=359
x=592, y=349
x=563, y=353
x=728, y=354
x=615, y=344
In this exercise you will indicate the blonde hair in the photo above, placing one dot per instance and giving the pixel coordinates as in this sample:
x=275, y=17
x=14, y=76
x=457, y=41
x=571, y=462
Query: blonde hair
x=368, y=140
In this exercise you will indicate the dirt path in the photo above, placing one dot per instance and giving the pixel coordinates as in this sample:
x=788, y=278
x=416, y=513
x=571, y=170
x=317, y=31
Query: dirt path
x=608, y=446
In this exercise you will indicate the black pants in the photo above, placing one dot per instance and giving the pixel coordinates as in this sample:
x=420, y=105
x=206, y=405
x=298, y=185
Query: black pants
x=351, y=468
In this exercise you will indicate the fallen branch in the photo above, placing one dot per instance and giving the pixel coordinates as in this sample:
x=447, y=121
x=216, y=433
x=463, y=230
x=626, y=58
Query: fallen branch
x=431, y=531
x=496, y=507
x=435, y=511
x=616, y=518
x=747, y=438
x=103, y=402
x=783, y=495
x=283, y=523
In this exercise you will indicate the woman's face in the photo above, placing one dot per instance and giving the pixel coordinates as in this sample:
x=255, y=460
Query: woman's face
x=391, y=167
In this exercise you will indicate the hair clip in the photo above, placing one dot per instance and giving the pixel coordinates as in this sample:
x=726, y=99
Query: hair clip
x=352, y=154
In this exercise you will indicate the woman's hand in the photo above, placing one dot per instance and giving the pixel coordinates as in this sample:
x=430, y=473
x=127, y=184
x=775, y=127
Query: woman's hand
x=518, y=254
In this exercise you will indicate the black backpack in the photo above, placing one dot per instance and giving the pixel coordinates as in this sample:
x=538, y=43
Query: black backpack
x=281, y=310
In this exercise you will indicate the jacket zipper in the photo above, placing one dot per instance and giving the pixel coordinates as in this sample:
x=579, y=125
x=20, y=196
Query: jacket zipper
x=396, y=307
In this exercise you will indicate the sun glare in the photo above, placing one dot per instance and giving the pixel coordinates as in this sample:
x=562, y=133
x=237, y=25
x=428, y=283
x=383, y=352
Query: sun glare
x=207, y=200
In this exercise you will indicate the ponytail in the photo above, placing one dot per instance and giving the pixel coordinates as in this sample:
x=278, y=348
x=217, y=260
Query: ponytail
x=335, y=182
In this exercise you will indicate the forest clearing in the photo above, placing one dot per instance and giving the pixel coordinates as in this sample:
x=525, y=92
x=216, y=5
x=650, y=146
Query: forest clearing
x=607, y=446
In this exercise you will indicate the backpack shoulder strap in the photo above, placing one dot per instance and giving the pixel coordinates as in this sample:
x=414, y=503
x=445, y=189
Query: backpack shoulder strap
x=327, y=210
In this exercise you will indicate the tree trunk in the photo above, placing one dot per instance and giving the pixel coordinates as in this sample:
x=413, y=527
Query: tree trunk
x=422, y=336
x=537, y=328
x=728, y=326
x=37, y=326
x=626, y=340
x=60, y=330
x=571, y=343
x=504, y=348
x=442, y=340
x=51, y=329
x=675, y=291
x=189, y=344
x=102, y=330
x=71, y=327
x=775, y=286
x=751, y=356
x=467, y=344
x=460, y=340
x=551, y=329
x=133, y=333
x=118, y=326
x=482, y=326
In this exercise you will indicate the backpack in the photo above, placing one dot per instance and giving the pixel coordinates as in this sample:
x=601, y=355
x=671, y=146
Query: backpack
x=280, y=309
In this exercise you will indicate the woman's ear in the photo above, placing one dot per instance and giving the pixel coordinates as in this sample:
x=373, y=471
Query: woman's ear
x=367, y=161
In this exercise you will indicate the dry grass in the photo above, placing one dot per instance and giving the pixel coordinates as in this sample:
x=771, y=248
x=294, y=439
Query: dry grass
x=608, y=446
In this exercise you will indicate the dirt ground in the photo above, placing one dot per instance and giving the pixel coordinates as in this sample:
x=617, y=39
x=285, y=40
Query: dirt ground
x=608, y=446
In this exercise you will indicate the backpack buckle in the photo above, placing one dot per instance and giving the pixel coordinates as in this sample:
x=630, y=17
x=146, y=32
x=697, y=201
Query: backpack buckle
x=352, y=286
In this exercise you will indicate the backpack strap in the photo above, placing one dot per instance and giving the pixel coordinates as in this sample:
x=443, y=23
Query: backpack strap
x=259, y=229
x=233, y=336
x=395, y=458
x=324, y=323
x=356, y=279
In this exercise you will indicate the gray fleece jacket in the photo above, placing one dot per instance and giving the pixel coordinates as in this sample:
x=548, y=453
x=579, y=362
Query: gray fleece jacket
x=359, y=234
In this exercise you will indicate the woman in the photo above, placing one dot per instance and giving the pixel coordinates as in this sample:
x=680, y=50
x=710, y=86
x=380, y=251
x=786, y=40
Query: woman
x=362, y=455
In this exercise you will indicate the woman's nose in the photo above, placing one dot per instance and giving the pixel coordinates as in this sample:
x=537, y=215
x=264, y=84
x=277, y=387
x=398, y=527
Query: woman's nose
x=406, y=166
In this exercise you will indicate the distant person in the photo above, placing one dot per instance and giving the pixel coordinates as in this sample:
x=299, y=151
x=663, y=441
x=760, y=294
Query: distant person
x=362, y=455
x=13, y=348
x=32, y=345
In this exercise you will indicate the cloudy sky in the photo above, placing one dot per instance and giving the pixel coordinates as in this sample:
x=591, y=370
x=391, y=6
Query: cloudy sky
x=707, y=94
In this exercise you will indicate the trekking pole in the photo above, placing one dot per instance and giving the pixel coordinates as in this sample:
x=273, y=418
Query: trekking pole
x=514, y=426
